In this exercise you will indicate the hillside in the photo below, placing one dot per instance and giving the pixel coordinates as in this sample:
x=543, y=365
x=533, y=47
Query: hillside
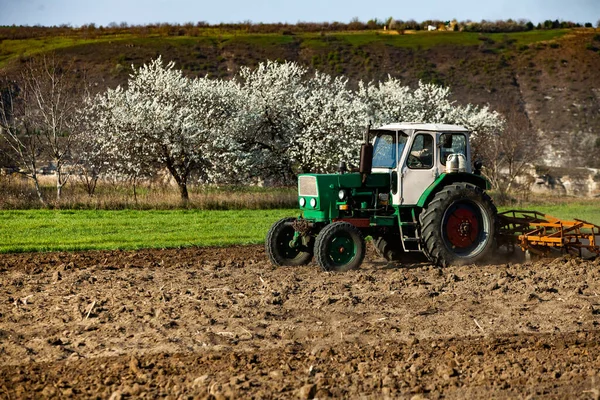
x=551, y=76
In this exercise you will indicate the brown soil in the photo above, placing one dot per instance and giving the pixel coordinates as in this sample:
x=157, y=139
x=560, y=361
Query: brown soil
x=222, y=323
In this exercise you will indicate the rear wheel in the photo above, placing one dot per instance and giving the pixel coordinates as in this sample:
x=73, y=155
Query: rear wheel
x=340, y=246
x=459, y=226
x=388, y=247
x=279, y=245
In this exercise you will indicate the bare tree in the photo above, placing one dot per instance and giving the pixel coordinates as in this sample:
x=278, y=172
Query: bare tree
x=508, y=154
x=18, y=132
x=92, y=161
x=54, y=90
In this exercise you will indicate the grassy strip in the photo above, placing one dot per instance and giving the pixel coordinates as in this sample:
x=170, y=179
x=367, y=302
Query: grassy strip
x=587, y=211
x=66, y=230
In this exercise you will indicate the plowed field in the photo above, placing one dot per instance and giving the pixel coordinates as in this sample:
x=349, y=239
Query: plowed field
x=222, y=323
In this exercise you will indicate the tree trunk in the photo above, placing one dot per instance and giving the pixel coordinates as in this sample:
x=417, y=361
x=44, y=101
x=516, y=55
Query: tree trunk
x=38, y=190
x=91, y=186
x=58, y=184
x=135, y=190
x=58, y=191
x=180, y=178
x=185, y=197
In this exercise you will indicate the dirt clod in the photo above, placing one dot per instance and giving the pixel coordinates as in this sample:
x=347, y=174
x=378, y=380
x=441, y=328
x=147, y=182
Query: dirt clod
x=308, y=391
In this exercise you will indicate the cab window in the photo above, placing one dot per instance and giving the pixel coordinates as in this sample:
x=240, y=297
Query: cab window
x=452, y=143
x=421, y=152
x=386, y=150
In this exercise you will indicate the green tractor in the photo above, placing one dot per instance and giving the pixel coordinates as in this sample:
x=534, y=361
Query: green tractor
x=415, y=193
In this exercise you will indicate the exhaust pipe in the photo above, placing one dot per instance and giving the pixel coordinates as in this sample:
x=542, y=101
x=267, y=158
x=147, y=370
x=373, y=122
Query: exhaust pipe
x=366, y=155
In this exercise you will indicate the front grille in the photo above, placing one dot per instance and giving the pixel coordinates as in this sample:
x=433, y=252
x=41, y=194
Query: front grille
x=307, y=186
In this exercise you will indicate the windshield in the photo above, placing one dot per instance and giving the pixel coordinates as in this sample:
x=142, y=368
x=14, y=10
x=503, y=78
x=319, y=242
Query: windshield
x=386, y=151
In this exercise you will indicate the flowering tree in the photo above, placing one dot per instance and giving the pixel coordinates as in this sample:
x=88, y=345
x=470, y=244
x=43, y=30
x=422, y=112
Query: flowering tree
x=163, y=119
x=272, y=121
x=109, y=123
x=330, y=121
x=296, y=122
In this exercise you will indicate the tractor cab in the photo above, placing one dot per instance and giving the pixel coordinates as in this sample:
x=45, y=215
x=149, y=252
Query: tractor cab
x=417, y=154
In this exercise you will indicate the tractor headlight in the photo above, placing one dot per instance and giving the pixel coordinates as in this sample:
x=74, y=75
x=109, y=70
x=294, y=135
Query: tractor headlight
x=302, y=201
x=313, y=202
x=342, y=195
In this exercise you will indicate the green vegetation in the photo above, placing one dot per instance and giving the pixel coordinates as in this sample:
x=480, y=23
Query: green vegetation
x=10, y=49
x=68, y=230
x=262, y=40
x=585, y=210
x=525, y=38
x=13, y=48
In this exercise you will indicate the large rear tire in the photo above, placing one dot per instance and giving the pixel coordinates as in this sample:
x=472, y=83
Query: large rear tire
x=459, y=226
x=278, y=246
x=340, y=246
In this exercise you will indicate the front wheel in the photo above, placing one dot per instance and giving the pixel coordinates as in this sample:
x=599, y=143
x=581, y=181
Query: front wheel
x=340, y=246
x=459, y=226
x=279, y=245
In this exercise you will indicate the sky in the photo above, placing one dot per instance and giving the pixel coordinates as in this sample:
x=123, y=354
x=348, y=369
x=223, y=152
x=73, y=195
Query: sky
x=140, y=12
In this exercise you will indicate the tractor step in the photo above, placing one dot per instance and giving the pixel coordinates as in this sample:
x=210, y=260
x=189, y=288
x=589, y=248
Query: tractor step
x=409, y=236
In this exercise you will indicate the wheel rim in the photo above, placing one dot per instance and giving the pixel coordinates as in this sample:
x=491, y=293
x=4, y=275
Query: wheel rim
x=341, y=250
x=283, y=244
x=464, y=229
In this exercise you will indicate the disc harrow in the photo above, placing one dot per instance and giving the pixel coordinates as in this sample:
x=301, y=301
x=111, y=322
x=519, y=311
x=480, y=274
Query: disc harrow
x=541, y=234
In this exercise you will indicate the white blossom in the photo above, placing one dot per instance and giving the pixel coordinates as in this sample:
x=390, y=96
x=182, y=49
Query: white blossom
x=273, y=121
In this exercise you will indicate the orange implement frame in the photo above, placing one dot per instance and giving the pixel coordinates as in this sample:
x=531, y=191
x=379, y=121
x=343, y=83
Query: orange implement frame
x=540, y=233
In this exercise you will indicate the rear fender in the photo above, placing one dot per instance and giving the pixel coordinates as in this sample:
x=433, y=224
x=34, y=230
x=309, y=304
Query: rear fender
x=448, y=179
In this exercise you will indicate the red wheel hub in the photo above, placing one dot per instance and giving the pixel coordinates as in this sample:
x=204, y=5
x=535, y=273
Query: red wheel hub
x=462, y=227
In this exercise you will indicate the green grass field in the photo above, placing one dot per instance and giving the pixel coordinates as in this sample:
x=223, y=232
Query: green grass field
x=58, y=230
x=587, y=211
x=48, y=230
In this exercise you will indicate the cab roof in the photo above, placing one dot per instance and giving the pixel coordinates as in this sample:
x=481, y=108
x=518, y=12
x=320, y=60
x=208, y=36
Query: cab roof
x=418, y=126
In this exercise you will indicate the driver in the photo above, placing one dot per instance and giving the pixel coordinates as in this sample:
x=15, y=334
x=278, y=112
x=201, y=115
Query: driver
x=423, y=157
